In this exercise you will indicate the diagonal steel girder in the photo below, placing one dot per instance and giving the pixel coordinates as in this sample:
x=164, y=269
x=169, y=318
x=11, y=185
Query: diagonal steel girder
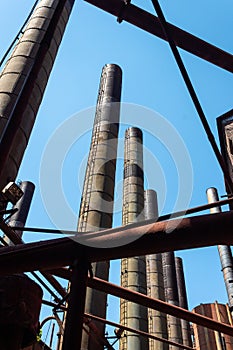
x=146, y=238
x=151, y=24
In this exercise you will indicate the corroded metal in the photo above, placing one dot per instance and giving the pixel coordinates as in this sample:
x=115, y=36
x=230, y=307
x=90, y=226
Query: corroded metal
x=96, y=208
x=20, y=305
x=157, y=321
x=133, y=270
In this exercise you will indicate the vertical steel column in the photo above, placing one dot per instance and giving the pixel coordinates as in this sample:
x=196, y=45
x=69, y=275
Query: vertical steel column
x=76, y=305
x=24, y=79
x=133, y=270
x=96, y=209
x=224, y=251
x=171, y=294
x=183, y=301
x=23, y=206
x=157, y=321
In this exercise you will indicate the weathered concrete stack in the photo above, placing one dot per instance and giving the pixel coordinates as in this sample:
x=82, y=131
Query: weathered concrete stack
x=96, y=209
x=133, y=270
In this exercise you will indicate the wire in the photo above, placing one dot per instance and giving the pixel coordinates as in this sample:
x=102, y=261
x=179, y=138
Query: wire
x=20, y=32
x=193, y=94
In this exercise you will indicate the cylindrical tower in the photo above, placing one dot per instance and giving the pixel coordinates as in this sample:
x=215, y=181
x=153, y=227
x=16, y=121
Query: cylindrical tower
x=133, y=270
x=171, y=295
x=23, y=206
x=223, y=250
x=96, y=209
x=157, y=321
x=23, y=81
x=183, y=301
x=207, y=339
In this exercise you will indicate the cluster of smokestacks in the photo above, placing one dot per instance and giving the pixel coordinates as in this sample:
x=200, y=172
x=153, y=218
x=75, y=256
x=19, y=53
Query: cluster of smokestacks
x=155, y=275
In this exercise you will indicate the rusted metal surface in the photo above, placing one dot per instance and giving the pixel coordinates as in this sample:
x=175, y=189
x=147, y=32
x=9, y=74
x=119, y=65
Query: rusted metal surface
x=183, y=301
x=210, y=339
x=144, y=334
x=133, y=269
x=171, y=296
x=160, y=305
x=188, y=233
x=21, y=300
x=157, y=321
x=23, y=81
x=151, y=24
x=96, y=207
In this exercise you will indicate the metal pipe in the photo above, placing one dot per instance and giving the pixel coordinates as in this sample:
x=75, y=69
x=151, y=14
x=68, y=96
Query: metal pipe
x=133, y=270
x=192, y=232
x=224, y=251
x=151, y=24
x=171, y=295
x=96, y=207
x=157, y=321
x=183, y=301
x=76, y=305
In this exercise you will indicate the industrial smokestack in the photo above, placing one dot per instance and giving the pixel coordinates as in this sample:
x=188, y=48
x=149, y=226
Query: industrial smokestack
x=133, y=270
x=183, y=301
x=224, y=251
x=172, y=297
x=22, y=206
x=96, y=209
x=157, y=321
x=23, y=81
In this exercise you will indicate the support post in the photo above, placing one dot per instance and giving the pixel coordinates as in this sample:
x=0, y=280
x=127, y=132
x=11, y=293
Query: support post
x=76, y=305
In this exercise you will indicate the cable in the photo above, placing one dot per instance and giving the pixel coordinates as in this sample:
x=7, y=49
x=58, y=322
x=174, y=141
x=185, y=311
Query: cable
x=193, y=94
x=18, y=34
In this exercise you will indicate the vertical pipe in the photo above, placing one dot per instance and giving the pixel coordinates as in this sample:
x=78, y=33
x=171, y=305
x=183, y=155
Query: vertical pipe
x=24, y=79
x=157, y=321
x=224, y=251
x=171, y=294
x=76, y=305
x=183, y=301
x=133, y=270
x=96, y=208
x=23, y=206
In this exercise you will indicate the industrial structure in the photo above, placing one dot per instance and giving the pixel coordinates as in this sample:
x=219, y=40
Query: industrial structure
x=153, y=301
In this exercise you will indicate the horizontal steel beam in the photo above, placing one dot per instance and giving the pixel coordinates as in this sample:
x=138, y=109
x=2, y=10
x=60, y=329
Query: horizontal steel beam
x=151, y=24
x=147, y=238
x=159, y=305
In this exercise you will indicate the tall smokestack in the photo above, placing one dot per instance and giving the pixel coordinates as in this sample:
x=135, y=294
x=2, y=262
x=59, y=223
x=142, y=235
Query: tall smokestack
x=23, y=81
x=171, y=294
x=157, y=321
x=183, y=301
x=96, y=209
x=22, y=206
x=133, y=270
x=224, y=251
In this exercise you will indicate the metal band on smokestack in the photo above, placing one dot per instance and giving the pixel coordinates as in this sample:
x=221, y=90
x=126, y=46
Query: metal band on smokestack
x=224, y=251
x=24, y=79
x=133, y=270
x=96, y=209
x=157, y=321
x=183, y=301
x=172, y=297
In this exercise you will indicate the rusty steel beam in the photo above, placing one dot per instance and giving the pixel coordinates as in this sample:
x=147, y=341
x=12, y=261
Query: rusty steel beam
x=159, y=305
x=133, y=330
x=151, y=24
x=146, y=238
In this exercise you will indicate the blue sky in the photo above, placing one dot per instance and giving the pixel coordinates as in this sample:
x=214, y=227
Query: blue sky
x=150, y=79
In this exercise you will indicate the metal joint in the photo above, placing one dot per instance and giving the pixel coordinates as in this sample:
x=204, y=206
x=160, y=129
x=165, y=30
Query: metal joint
x=124, y=4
